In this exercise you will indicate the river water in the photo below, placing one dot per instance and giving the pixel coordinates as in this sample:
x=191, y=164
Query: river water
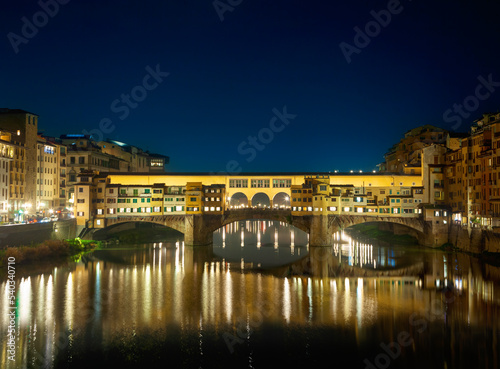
x=260, y=297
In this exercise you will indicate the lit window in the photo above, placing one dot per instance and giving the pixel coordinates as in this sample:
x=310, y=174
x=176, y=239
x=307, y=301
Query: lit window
x=346, y=209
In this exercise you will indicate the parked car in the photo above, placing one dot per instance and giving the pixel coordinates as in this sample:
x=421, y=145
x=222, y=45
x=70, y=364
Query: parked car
x=45, y=220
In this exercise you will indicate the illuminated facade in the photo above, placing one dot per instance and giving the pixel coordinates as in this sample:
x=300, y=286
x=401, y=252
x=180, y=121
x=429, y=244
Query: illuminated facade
x=22, y=196
x=50, y=181
x=472, y=175
x=7, y=150
x=405, y=156
x=111, y=196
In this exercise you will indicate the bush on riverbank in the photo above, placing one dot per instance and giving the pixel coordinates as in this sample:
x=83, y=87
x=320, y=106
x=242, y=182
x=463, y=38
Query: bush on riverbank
x=47, y=249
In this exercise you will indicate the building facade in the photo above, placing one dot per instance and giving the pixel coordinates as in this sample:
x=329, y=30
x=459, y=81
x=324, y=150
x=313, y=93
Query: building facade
x=100, y=198
x=25, y=125
x=7, y=150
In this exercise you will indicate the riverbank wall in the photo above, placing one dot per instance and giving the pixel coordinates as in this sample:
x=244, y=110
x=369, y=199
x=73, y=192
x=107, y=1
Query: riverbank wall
x=27, y=234
x=474, y=240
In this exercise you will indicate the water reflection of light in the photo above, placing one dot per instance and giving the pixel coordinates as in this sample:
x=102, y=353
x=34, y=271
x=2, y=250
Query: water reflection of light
x=69, y=302
x=228, y=294
x=242, y=237
x=359, y=301
x=5, y=304
x=146, y=299
x=49, y=306
x=347, y=301
x=309, y=297
x=24, y=305
x=97, y=298
x=286, y=300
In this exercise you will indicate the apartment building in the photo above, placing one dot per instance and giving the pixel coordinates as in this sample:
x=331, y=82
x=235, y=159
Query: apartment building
x=48, y=186
x=473, y=174
x=318, y=197
x=138, y=160
x=405, y=156
x=83, y=154
x=23, y=168
x=7, y=150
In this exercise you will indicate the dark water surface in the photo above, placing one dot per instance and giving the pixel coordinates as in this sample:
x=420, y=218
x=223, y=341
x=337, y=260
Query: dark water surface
x=260, y=297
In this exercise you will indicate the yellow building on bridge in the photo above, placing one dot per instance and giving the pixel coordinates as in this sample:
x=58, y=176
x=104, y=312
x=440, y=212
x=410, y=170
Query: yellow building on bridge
x=99, y=197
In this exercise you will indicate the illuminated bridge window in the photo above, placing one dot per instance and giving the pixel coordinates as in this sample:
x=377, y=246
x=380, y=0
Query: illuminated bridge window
x=260, y=183
x=282, y=183
x=238, y=183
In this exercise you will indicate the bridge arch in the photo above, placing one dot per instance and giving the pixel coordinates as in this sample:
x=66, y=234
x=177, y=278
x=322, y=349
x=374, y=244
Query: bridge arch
x=281, y=200
x=238, y=200
x=261, y=200
x=176, y=223
x=236, y=215
x=417, y=227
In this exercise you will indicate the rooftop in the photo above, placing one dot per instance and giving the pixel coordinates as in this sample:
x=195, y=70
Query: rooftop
x=15, y=111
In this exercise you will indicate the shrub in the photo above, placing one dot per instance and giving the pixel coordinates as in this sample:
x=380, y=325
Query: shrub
x=13, y=252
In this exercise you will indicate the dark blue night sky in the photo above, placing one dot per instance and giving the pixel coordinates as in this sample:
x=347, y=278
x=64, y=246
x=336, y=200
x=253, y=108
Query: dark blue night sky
x=220, y=74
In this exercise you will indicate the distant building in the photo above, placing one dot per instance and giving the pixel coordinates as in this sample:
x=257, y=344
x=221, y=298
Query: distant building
x=405, y=156
x=473, y=174
x=138, y=160
x=51, y=176
x=83, y=155
x=433, y=176
x=7, y=152
x=25, y=124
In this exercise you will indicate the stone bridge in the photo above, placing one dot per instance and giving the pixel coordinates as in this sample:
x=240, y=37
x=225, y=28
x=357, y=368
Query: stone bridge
x=198, y=228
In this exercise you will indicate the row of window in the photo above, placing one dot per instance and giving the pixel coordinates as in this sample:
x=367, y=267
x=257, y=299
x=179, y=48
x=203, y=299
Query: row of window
x=348, y=209
x=45, y=193
x=47, y=159
x=260, y=183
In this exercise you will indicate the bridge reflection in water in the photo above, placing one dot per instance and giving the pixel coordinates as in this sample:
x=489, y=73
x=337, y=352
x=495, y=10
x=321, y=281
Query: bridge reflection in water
x=204, y=307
